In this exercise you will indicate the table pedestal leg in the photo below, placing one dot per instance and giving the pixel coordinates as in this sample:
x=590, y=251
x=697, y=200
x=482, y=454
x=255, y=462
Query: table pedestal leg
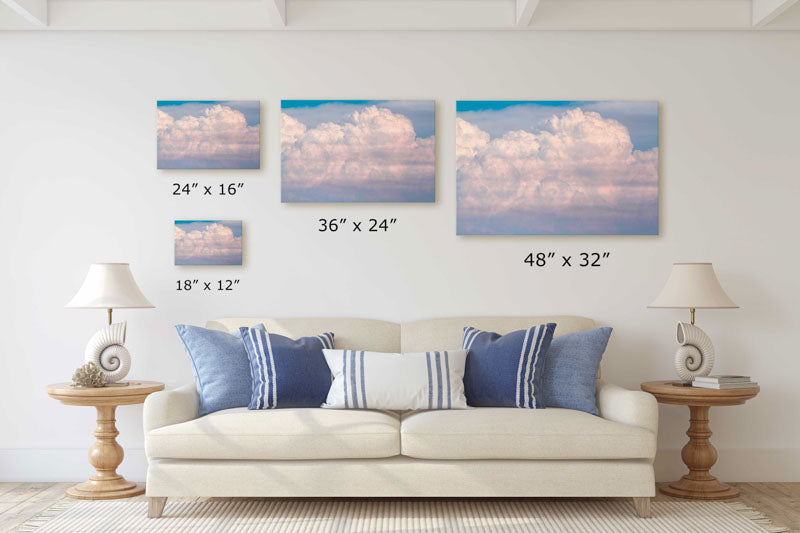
x=105, y=455
x=699, y=455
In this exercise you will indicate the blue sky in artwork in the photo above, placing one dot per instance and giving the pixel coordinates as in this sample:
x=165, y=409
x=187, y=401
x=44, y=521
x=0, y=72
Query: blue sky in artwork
x=188, y=225
x=251, y=109
x=312, y=113
x=499, y=117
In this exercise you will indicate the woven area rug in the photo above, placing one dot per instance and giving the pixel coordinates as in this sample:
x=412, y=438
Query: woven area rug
x=313, y=516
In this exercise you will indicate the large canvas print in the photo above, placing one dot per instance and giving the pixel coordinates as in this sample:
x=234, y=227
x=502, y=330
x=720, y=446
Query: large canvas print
x=210, y=134
x=208, y=242
x=557, y=167
x=358, y=151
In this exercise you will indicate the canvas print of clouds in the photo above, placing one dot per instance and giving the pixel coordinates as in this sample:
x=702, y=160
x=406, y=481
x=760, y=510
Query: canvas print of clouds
x=557, y=168
x=357, y=151
x=208, y=242
x=215, y=134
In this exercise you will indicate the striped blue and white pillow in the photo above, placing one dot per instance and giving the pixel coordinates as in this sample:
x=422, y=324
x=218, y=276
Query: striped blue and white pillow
x=286, y=372
x=395, y=381
x=506, y=370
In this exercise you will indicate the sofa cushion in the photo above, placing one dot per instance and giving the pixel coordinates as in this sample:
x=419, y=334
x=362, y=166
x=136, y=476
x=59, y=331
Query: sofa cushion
x=506, y=370
x=398, y=381
x=286, y=372
x=510, y=433
x=279, y=434
x=220, y=366
x=571, y=368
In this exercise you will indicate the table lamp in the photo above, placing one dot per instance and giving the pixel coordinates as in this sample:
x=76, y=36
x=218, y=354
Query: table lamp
x=693, y=286
x=109, y=286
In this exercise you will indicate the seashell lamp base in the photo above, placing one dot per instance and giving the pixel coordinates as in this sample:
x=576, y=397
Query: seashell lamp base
x=107, y=350
x=695, y=355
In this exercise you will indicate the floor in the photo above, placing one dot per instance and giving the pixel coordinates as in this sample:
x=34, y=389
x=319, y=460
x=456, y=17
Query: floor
x=20, y=501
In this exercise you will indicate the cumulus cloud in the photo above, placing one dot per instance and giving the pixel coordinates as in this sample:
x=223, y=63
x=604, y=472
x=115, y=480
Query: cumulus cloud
x=639, y=116
x=373, y=155
x=577, y=172
x=217, y=137
x=212, y=243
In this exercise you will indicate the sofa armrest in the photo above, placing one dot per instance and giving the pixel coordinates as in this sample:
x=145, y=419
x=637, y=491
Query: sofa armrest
x=634, y=408
x=170, y=407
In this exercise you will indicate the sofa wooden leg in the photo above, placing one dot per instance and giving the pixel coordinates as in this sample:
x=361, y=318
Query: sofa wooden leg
x=155, y=506
x=642, y=506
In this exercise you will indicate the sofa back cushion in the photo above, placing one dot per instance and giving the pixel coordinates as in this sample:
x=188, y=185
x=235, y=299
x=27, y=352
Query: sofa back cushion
x=416, y=336
x=351, y=333
x=446, y=333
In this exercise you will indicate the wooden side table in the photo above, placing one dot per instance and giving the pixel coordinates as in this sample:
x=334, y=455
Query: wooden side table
x=106, y=454
x=698, y=454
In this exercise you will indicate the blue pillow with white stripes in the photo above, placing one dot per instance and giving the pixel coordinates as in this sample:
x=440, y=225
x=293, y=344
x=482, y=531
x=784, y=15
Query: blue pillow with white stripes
x=286, y=372
x=506, y=370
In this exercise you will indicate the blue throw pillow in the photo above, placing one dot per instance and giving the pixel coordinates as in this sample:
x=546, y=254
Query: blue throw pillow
x=286, y=372
x=570, y=369
x=220, y=365
x=506, y=371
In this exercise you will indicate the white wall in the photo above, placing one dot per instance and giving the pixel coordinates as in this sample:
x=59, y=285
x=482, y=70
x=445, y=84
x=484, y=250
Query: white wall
x=79, y=184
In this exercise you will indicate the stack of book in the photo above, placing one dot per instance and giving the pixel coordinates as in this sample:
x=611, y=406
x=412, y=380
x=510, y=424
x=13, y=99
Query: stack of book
x=723, y=382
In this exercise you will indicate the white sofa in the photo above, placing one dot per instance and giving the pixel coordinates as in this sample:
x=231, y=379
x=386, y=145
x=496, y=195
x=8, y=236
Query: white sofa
x=481, y=452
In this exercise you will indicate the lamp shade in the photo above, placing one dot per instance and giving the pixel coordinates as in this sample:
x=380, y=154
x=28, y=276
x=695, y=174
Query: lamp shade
x=693, y=286
x=109, y=286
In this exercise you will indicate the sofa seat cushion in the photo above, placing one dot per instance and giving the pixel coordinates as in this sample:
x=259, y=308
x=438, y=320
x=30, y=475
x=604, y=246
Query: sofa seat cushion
x=299, y=433
x=509, y=433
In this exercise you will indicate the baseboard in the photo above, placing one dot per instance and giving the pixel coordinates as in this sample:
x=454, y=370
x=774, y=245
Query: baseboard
x=737, y=464
x=59, y=464
x=43, y=465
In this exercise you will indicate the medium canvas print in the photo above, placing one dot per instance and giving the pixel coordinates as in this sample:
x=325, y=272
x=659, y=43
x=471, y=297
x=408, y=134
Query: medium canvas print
x=208, y=242
x=208, y=134
x=557, y=167
x=358, y=151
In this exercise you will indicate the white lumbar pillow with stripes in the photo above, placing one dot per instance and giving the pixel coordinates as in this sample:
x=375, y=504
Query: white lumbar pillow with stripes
x=396, y=381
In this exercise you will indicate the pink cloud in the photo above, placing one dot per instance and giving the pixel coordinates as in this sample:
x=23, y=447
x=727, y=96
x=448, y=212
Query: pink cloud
x=375, y=155
x=219, y=137
x=578, y=161
x=214, y=244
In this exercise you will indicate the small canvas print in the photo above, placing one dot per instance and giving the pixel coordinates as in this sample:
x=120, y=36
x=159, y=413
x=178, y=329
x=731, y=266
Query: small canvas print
x=208, y=242
x=208, y=134
x=358, y=151
x=557, y=167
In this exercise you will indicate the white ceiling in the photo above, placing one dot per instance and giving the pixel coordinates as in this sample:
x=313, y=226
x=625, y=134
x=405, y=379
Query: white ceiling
x=399, y=14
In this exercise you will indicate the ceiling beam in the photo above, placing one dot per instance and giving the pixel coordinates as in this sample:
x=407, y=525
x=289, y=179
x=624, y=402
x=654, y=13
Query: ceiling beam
x=525, y=11
x=277, y=10
x=34, y=11
x=765, y=11
x=399, y=15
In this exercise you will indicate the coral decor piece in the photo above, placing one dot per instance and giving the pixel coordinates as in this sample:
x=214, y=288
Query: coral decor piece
x=89, y=375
